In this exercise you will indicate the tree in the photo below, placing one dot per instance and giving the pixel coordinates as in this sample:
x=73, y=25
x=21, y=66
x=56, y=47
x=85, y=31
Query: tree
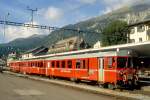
x=115, y=33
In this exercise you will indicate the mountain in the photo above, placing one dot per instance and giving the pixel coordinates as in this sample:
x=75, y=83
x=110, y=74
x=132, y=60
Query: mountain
x=32, y=41
x=130, y=14
x=22, y=44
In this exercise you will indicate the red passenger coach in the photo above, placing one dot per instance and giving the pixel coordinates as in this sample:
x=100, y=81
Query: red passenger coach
x=28, y=67
x=110, y=68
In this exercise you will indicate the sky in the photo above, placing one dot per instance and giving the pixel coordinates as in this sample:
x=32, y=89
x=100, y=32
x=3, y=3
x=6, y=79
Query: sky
x=56, y=13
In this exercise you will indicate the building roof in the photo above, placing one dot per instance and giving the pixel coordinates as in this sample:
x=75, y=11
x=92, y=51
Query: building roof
x=147, y=21
x=41, y=51
x=69, y=44
x=36, y=50
x=71, y=39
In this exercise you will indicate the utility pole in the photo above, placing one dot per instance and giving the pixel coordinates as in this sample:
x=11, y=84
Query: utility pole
x=5, y=19
x=78, y=38
x=32, y=12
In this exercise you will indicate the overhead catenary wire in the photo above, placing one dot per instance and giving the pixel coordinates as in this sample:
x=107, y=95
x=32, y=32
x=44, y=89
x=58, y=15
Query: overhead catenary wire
x=44, y=27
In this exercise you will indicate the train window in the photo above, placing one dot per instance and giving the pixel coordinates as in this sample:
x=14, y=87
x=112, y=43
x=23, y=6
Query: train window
x=69, y=64
x=63, y=64
x=41, y=63
x=38, y=64
x=78, y=64
x=57, y=64
x=53, y=64
x=110, y=62
x=113, y=62
x=84, y=64
x=31, y=64
x=121, y=62
x=22, y=64
x=35, y=64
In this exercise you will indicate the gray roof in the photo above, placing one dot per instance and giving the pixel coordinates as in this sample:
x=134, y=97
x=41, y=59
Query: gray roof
x=147, y=21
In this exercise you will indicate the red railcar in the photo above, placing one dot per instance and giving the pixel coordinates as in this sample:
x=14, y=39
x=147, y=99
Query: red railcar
x=110, y=68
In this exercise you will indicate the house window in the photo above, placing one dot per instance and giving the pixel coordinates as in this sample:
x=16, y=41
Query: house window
x=140, y=28
x=140, y=39
x=148, y=37
x=132, y=40
x=132, y=31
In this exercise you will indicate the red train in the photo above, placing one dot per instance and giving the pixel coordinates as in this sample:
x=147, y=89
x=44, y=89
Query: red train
x=112, y=69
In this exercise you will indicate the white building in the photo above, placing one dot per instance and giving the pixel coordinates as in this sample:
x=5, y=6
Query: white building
x=28, y=55
x=140, y=32
x=97, y=44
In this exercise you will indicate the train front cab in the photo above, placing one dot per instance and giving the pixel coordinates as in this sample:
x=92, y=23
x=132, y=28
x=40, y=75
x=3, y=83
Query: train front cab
x=126, y=73
x=117, y=72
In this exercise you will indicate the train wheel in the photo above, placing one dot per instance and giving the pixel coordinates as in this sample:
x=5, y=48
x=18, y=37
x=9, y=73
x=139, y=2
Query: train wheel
x=137, y=85
x=77, y=81
x=105, y=85
x=130, y=85
x=111, y=86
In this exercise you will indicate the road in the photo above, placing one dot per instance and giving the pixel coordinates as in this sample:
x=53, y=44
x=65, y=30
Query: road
x=18, y=88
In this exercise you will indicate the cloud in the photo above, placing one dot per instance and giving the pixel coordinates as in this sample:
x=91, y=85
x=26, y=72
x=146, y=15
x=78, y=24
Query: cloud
x=106, y=10
x=88, y=1
x=111, y=5
x=53, y=14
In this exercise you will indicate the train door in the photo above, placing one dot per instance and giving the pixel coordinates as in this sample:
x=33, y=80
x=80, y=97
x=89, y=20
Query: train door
x=48, y=68
x=110, y=69
x=101, y=70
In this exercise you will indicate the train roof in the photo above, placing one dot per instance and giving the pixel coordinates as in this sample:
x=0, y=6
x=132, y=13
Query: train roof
x=81, y=54
x=142, y=49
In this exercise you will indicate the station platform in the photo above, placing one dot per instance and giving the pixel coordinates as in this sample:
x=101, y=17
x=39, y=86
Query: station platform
x=88, y=88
